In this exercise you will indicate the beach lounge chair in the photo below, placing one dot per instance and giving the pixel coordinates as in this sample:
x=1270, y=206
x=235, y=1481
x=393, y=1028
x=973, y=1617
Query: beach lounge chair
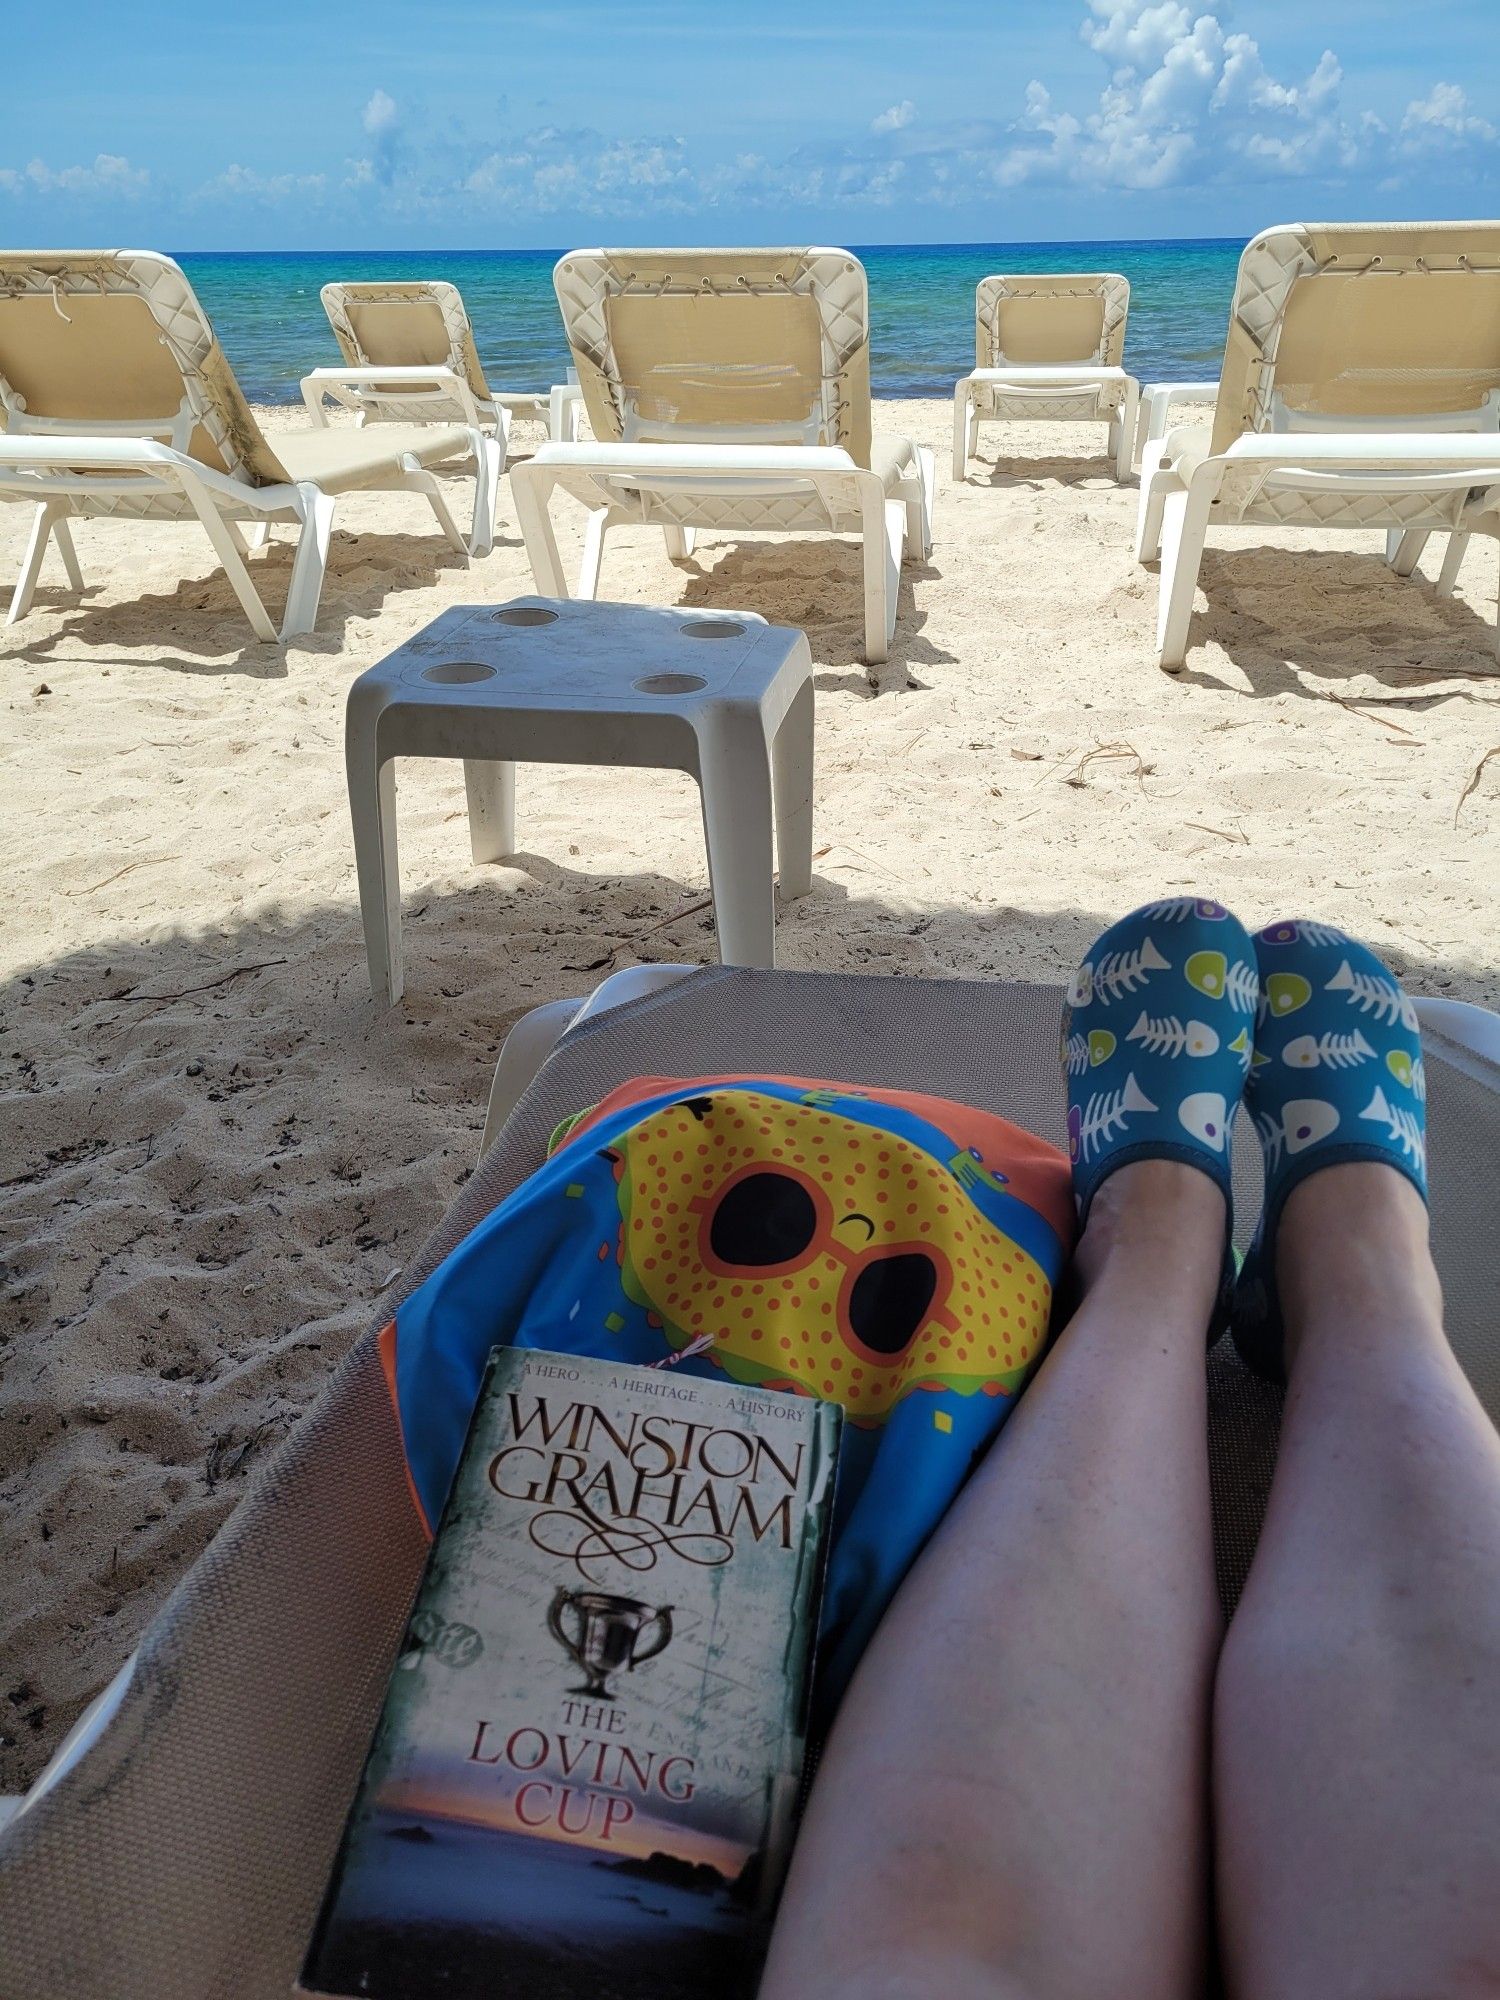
x=1361, y=389
x=729, y=390
x=1048, y=348
x=181, y=1849
x=410, y=358
x=118, y=401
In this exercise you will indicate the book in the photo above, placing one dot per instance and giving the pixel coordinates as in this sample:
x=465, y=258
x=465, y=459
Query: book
x=585, y=1774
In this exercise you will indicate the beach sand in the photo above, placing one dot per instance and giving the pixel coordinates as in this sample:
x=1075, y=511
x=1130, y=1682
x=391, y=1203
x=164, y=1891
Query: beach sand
x=219, y=1152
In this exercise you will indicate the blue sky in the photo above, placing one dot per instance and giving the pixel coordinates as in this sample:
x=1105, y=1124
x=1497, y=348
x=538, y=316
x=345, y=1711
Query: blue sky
x=441, y=123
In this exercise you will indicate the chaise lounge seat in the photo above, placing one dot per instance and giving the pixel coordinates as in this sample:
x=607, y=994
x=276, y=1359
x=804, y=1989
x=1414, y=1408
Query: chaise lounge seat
x=118, y=402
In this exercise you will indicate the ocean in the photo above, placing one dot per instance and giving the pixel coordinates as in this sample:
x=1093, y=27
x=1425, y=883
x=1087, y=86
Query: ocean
x=266, y=310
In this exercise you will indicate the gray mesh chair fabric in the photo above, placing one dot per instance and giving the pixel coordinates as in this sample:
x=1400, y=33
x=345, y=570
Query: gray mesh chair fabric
x=184, y=1856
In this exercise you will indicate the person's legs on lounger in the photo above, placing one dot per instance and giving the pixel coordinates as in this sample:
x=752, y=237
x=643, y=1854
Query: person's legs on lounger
x=1357, y=1716
x=1014, y=1798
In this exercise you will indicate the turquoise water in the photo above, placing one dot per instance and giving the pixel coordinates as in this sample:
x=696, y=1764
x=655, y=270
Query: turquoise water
x=265, y=307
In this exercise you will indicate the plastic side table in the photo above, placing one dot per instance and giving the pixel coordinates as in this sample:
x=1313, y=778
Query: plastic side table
x=723, y=696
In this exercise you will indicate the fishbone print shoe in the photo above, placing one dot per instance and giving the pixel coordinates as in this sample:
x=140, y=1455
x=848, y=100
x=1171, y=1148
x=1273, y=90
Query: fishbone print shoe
x=1156, y=1042
x=1336, y=1076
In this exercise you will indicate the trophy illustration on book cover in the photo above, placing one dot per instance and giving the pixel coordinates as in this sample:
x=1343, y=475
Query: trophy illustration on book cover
x=610, y=1635
x=586, y=1770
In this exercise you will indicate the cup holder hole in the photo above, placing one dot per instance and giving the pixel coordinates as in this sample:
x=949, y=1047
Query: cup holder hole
x=523, y=614
x=455, y=673
x=712, y=628
x=670, y=684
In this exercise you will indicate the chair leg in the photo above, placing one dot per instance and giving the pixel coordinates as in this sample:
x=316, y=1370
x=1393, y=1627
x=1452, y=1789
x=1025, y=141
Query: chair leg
x=960, y=433
x=489, y=466
x=62, y=534
x=1184, y=527
x=31, y=564
x=1125, y=421
x=592, y=559
x=734, y=781
x=533, y=513
x=490, y=786
x=1452, y=557
x=884, y=535
x=679, y=543
x=1407, y=553
x=792, y=784
x=919, y=509
x=310, y=563
x=217, y=528
x=1155, y=485
x=421, y=481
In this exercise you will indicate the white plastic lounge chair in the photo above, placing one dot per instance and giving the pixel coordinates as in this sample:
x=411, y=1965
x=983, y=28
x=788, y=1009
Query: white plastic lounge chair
x=1048, y=347
x=178, y=1846
x=410, y=358
x=1361, y=389
x=117, y=400
x=728, y=389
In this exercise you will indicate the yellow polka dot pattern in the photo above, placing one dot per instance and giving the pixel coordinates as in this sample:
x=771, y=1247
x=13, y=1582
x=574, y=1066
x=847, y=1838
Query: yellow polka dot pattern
x=875, y=1195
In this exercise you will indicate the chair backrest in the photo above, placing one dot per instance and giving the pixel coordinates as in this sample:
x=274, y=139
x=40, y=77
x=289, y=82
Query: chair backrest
x=1362, y=321
x=114, y=343
x=409, y=324
x=713, y=346
x=1051, y=319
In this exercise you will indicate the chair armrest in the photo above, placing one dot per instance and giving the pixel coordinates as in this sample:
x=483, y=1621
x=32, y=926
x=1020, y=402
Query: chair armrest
x=356, y=387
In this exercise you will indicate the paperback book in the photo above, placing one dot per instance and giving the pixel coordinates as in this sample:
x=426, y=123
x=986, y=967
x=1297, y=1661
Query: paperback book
x=585, y=1773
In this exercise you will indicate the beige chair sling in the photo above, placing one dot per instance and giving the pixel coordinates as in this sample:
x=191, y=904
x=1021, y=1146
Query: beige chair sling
x=1361, y=389
x=728, y=390
x=117, y=401
x=1049, y=347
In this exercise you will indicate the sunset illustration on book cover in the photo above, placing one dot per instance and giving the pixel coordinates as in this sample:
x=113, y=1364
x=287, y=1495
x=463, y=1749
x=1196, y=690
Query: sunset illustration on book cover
x=586, y=1768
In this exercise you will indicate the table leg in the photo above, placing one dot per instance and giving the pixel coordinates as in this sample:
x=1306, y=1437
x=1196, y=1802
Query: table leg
x=491, y=789
x=792, y=782
x=734, y=780
x=372, y=809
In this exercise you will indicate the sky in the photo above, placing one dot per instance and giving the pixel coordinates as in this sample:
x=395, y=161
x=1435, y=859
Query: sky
x=395, y=124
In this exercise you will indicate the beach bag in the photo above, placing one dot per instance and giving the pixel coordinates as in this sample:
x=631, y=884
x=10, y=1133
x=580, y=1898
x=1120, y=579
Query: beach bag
x=896, y=1254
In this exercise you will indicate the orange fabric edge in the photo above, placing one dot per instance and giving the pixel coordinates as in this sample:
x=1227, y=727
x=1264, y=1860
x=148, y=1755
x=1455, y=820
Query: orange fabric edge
x=1037, y=1172
x=385, y=1347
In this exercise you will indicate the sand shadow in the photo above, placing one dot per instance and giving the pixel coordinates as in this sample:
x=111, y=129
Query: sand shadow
x=1370, y=623
x=208, y=631
x=1056, y=470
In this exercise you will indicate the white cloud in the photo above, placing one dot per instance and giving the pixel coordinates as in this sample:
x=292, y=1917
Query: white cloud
x=110, y=173
x=238, y=183
x=896, y=118
x=1443, y=119
x=1185, y=101
x=380, y=114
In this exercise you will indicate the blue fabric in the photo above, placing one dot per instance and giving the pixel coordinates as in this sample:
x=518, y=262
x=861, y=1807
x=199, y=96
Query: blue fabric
x=596, y=1254
x=1337, y=1076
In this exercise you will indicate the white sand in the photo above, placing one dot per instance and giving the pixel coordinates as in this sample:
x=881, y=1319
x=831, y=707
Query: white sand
x=219, y=1151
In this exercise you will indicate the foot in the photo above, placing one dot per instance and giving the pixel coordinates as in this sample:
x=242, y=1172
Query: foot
x=1337, y=1078
x=1156, y=1043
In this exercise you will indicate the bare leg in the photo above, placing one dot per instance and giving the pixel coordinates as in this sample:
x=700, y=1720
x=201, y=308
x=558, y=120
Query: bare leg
x=1357, y=1725
x=1014, y=1797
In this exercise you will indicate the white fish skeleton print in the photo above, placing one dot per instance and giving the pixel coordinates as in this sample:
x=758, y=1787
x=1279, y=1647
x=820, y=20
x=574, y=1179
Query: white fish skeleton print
x=1331, y=1051
x=1403, y=1127
x=1094, y=1125
x=1120, y=972
x=1383, y=997
x=1167, y=1035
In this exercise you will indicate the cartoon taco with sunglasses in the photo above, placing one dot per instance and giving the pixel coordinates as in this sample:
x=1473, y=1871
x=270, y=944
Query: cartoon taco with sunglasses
x=806, y=1250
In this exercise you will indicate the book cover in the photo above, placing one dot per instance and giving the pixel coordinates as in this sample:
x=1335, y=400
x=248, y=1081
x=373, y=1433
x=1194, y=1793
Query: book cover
x=584, y=1776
